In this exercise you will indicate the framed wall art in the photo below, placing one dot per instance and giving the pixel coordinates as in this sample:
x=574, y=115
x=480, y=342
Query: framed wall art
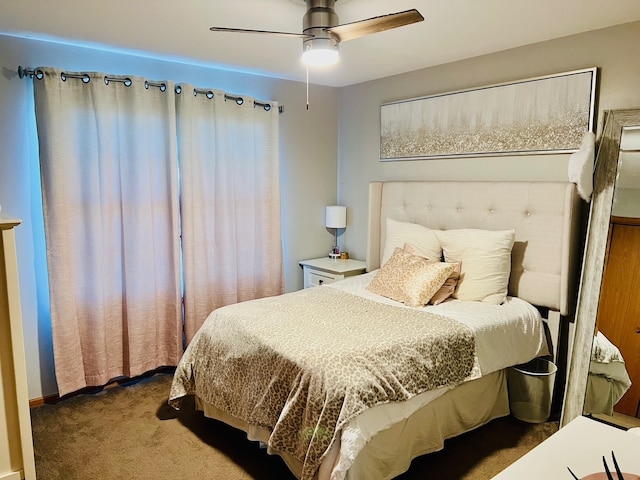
x=548, y=114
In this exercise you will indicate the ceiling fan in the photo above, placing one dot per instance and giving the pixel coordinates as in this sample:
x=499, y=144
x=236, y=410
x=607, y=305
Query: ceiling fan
x=321, y=33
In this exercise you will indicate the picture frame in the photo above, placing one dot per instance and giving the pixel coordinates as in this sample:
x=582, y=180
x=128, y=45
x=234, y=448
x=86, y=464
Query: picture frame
x=542, y=115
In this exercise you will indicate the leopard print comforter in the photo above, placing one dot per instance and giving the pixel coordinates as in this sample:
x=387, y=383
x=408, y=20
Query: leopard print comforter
x=303, y=364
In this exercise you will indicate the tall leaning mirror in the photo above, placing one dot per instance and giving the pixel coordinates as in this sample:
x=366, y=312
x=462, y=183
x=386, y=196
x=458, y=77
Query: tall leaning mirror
x=607, y=323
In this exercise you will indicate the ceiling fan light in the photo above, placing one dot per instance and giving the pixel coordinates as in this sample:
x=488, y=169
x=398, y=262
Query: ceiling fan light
x=320, y=52
x=321, y=57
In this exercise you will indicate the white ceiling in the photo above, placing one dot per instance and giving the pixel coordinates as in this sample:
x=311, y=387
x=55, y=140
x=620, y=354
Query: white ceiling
x=179, y=30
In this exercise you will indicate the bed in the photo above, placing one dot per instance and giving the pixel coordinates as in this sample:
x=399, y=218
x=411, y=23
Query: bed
x=608, y=378
x=294, y=358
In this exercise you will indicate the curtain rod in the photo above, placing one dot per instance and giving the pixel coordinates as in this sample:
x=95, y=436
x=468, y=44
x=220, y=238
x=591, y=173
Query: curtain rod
x=26, y=72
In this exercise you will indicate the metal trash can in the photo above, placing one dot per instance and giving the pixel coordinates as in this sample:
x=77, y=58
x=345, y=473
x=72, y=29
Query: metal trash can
x=530, y=388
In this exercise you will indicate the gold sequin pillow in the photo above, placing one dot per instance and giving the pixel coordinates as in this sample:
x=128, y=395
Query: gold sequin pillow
x=449, y=286
x=410, y=279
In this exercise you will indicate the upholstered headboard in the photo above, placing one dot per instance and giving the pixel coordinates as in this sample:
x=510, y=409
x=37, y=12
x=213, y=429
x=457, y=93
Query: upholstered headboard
x=545, y=216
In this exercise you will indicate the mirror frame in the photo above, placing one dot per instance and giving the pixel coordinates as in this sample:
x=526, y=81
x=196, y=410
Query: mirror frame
x=606, y=170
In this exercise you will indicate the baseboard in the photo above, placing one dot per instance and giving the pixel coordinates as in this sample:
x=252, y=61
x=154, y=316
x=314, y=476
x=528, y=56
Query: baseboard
x=37, y=402
x=12, y=476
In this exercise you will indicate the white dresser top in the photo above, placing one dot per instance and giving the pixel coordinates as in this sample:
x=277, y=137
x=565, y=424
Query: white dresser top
x=580, y=445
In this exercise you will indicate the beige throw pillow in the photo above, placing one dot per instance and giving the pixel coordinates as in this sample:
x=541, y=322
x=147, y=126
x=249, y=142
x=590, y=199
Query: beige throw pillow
x=486, y=262
x=422, y=238
x=410, y=279
x=448, y=287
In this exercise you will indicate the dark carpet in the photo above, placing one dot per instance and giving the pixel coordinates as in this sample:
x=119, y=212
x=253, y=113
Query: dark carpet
x=129, y=432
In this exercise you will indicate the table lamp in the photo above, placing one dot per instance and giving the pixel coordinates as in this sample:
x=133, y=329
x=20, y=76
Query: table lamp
x=336, y=217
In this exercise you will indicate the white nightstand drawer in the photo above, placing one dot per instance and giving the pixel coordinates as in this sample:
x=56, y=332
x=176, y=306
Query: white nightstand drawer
x=321, y=278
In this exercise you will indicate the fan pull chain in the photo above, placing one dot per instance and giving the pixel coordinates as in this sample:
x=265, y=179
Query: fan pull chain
x=307, y=85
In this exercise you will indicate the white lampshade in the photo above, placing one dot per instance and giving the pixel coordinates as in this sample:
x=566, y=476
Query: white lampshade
x=336, y=216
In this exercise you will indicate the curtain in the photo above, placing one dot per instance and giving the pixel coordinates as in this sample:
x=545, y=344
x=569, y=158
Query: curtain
x=230, y=201
x=110, y=192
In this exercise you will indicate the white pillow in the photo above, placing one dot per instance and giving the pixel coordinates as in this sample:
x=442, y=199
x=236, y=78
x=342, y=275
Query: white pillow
x=486, y=262
x=422, y=238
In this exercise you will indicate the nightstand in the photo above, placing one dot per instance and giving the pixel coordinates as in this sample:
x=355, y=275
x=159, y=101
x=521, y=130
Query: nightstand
x=320, y=271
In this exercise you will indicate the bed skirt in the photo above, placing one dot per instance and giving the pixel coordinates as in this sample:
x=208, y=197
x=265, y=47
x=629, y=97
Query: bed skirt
x=389, y=453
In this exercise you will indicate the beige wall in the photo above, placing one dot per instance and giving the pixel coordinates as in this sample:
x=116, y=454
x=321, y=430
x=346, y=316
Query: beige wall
x=612, y=50
x=626, y=202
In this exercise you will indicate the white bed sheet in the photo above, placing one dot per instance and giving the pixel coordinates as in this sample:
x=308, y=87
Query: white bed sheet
x=498, y=329
x=500, y=343
x=608, y=378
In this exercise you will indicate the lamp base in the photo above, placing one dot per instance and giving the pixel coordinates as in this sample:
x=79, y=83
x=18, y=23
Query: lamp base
x=334, y=255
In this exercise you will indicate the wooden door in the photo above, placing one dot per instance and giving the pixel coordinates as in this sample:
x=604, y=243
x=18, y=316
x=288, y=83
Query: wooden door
x=619, y=307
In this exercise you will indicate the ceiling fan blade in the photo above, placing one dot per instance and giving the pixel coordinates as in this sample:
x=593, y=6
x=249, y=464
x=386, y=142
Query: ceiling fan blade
x=263, y=32
x=349, y=31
